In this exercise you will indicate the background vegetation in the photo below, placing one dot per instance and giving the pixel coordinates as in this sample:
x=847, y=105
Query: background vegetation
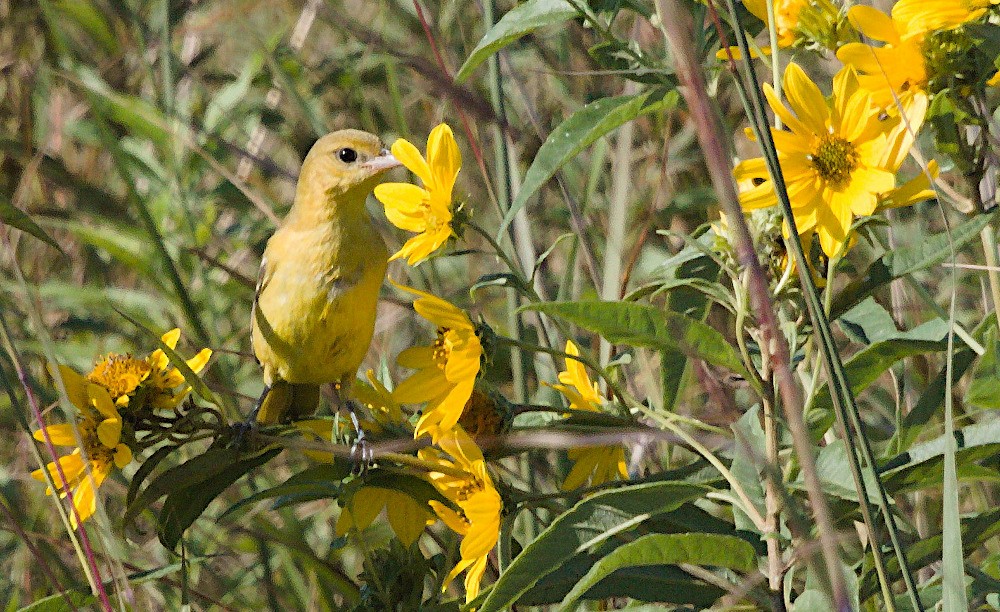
x=150, y=148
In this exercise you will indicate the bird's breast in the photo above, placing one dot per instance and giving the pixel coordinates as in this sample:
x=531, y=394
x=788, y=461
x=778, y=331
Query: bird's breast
x=317, y=309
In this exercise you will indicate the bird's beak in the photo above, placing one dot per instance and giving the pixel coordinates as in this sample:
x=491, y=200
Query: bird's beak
x=384, y=161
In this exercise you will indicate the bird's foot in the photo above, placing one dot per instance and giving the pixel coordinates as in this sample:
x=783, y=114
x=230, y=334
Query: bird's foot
x=362, y=455
x=244, y=431
x=250, y=426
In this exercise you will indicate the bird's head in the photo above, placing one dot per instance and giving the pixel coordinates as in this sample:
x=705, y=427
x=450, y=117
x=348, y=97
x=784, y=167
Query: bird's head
x=345, y=161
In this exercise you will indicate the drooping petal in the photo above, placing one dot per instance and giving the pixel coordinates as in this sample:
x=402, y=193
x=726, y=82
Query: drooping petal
x=423, y=386
x=76, y=385
x=452, y=519
x=407, y=516
x=101, y=400
x=123, y=456
x=416, y=357
x=109, y=432
x=917, y=189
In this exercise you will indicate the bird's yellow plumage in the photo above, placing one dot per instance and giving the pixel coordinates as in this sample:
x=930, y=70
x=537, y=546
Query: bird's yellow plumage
x=314, y=309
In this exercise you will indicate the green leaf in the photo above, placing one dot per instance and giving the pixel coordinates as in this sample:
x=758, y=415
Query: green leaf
x=586, y=525
x=862, y=370
x=907, y=260
x=90, y=20
x=521, y=20
x=746, y=466
x=660, y=583
x=183, y=506
x=15, y=217
x=141, y=474
x=193, y=471
x=316, y=482
x=984, y=390
x=669, y=549
x=646, y=326
x=57, y=602
x=976, y=531
x=580, y=130
x=933, y=396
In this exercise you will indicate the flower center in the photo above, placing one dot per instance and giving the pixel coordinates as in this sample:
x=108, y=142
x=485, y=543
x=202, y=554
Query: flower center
x=442, y=348
x=835, y=158
x=119, y=374
x=95, y=449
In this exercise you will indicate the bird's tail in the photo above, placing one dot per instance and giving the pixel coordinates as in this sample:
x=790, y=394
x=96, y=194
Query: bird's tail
x=287, y=402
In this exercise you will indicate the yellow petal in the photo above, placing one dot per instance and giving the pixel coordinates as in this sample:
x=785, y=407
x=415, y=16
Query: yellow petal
x=917, y=189
x=157, y=360
x=473, y=578
x=452, y=519
x=409, y=156
x=102, y=401
x=416, y=357
x=171, y=337
x=423, y=386
x=444, y=158
x=123, y=456
x=406, y=516
x=872, y=23
x=72, y=466
x=109, y=432
x=364, y=506
x=76, y=386
x=806, y=99
x=782, y=112
x=61, y=435
x=199, y=361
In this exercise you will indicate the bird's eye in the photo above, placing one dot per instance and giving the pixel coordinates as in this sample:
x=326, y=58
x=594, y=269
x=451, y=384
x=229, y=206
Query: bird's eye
x=347, y=155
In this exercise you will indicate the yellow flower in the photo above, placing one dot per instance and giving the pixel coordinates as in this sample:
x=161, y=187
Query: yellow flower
x=122, y=375
x=446, y=370
x=99, y=430
x=786, y=21
x=922, y=16
x=426, y=210
x=786, y=17
x=899, y=67
x=479, y=504
x=838, y=157
x=595, y=465
x=407, y=516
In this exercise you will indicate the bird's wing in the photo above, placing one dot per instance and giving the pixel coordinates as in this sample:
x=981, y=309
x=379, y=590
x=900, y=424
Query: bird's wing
x=263, y=278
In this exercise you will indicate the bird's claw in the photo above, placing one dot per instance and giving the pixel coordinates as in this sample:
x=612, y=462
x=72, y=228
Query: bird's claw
x=242, y=430
x=362, y=455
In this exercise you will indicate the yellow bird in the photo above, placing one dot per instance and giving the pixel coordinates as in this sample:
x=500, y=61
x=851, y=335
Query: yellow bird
x=314, y=307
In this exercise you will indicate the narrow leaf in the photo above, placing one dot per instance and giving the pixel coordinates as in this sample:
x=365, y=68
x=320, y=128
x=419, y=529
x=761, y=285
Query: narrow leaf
x=521, y=20
x=907, y=260
x=862, y=370
x=183, y=506
x=668, y=549
x=577, y=133
x=647, y=326
x=586, y=525
x=15, y=217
